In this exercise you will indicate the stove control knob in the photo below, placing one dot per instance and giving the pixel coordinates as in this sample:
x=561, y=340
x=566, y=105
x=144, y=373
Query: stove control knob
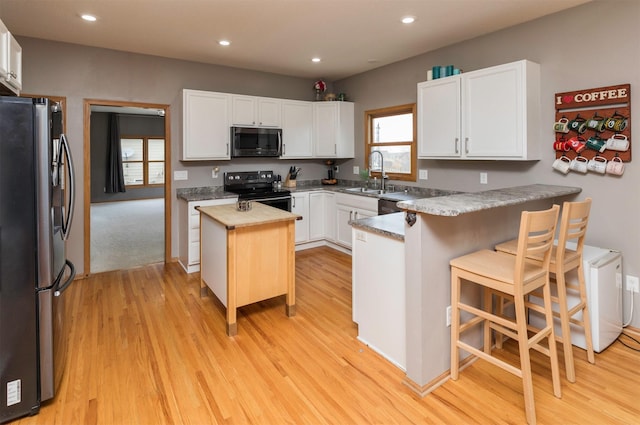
x=237, y=177
x=262, y=176
x=268, y=176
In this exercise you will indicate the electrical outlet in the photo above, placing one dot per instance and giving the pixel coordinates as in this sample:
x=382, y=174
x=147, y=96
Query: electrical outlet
x=336, y=168
x=633, y=284
x=361, y=236
x=448, y=313
x=483, y=178
x=214, y=172
x=424, y=174
x=356, y=169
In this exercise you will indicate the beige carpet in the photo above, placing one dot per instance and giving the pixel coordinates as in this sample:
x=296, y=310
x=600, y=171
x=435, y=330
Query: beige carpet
x=126, y=234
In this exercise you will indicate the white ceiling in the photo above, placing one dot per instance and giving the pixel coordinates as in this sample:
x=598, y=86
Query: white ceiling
x=278, y=36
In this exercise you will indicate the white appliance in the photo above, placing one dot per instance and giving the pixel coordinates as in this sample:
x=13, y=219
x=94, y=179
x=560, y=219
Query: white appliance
x=603, y=278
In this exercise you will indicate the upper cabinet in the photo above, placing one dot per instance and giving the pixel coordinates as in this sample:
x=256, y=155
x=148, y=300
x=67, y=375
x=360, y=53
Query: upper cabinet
x=297, y=129
x=333, y=130
x=489, y=114
x=10, y=60
x=205, y=125
x=253, y=111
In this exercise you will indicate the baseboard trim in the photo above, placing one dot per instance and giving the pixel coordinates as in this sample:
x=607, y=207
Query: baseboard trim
x=424, y=390
x=631, y=331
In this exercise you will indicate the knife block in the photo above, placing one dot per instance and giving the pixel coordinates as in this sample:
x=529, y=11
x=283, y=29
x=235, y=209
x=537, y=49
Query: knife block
x=289, y=182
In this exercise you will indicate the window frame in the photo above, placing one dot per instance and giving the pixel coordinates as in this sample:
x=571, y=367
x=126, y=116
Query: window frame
x=145, y=161
x=369, y=116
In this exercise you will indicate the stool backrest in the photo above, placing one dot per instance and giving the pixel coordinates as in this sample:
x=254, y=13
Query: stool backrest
x=535, y=240
x=573, y=226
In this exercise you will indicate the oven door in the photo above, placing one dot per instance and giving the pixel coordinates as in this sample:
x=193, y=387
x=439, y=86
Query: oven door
x=281, y=202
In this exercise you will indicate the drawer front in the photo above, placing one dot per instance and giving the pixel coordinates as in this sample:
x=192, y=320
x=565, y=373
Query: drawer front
x=194, y=253
x=357, y=201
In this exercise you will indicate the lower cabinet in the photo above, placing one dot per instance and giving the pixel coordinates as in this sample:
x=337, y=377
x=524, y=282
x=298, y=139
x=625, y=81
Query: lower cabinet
x=189, y=231
x=351, y=207
x=300, y=206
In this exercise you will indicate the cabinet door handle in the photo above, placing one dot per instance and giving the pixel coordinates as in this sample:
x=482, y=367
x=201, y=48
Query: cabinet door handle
x=293, y=199
x=335, y=149
x=227, y=148
x=466, y=145
x=284, y=149
x=457, y=141
x=356, y=214
x=350, y=215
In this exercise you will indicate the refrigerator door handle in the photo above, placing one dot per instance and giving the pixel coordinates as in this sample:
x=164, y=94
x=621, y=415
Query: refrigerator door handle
x=62, y=287
x=66, y=225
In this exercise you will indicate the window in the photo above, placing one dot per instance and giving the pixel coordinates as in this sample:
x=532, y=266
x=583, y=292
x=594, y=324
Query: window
x=392, y=132
x=142, y=161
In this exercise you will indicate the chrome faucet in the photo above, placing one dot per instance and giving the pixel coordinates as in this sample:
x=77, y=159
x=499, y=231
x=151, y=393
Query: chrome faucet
x=382, y=174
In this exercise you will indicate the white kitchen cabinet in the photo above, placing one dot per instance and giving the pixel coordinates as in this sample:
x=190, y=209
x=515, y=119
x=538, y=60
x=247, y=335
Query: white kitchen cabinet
x=205, y=125
x=189, y=231
x=330, y=216
x=300, y=206
x=10, y=60
x=351, y=207
x=297, y=129
x=333, y=129
x=317, y=214
x=489, y=114
x=255, y=111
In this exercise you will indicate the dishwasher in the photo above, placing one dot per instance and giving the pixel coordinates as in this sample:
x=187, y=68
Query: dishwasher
x=603, y=280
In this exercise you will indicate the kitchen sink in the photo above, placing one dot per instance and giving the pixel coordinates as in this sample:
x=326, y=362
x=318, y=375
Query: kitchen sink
x=365, y=190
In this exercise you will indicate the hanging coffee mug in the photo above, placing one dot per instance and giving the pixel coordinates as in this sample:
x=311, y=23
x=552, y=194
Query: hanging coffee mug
x=579, y=164
x=578, y=125
x=617, y=142
x=596, y=143
x=596, y=123
x=616, y=123
x=615, y=166
x=598, y=164
x=561, y=126
x=562, y=164
x=561, y=145
x=577, y=143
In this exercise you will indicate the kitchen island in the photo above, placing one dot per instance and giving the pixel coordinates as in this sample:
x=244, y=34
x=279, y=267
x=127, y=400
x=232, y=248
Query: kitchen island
x=247, y=256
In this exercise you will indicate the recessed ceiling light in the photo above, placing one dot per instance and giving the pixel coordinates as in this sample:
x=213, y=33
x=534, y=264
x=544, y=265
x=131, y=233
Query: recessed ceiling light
x=315, y=60
x=408, y=19
x=224, y=42
x=89, y=18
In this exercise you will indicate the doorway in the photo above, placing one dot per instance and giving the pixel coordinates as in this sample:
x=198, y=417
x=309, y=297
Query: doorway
x=110, y=243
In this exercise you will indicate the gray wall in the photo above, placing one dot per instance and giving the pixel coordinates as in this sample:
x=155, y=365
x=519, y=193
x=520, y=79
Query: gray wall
x=577, y=49
x=130, y=125
x=575, y=52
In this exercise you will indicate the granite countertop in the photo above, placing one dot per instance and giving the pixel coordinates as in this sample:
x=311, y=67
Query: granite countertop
x=217, y=192
x=229, y=216
x=391, y=225
x=455, y=205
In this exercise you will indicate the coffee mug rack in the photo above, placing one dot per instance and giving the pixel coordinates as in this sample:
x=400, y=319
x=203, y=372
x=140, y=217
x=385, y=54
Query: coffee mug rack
x=594, y=123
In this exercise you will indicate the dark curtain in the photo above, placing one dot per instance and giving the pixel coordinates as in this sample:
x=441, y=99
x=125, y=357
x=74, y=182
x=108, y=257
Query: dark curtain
x=115, y=177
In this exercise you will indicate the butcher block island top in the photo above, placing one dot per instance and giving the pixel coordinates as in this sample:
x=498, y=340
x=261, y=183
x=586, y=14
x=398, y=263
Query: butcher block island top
x=229, y=216
x=247, y=256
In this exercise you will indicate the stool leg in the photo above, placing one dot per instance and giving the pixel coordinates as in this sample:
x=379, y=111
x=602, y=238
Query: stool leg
x=525, y=360
x=553, y=351
x=488, y=307
x=586, y=317
x=499, y=312
x=455, y=323
x=566, y=325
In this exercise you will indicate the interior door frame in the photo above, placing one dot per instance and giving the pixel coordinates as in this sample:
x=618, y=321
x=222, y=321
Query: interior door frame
x=88, y=103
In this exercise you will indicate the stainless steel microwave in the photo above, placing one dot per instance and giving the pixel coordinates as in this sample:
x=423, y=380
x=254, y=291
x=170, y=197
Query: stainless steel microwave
x=256, y=142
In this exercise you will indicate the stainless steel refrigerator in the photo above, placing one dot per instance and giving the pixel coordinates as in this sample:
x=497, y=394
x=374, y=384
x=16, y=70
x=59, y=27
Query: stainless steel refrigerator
x=36, y=208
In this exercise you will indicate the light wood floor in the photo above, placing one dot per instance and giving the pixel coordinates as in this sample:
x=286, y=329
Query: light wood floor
x=146, y=349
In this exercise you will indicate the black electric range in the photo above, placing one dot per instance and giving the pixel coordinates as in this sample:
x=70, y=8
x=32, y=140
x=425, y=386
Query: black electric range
x=257, y=186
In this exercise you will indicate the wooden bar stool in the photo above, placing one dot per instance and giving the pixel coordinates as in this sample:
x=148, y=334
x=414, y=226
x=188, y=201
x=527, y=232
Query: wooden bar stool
x=573, y=228
x=513, y=277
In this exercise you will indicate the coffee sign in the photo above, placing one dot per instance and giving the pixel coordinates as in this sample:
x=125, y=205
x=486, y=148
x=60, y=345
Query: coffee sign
x=594, y=97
